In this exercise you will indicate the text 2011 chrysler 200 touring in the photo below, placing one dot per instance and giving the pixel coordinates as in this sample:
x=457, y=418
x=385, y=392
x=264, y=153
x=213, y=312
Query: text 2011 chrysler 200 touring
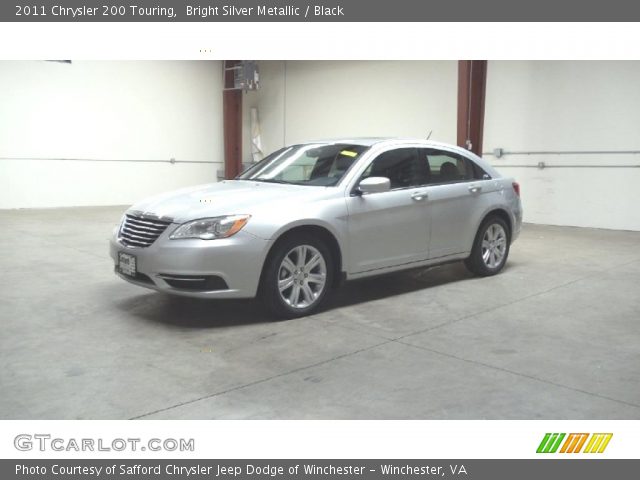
x=308, y=216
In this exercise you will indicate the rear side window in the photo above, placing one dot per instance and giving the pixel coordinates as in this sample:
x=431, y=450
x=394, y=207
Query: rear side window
x=448, y=167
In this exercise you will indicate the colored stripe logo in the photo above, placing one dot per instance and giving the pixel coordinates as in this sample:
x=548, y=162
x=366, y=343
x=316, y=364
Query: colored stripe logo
x=574, y=443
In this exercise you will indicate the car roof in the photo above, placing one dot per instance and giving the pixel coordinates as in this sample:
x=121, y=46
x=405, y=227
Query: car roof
x=370, y=141
x=364, y=141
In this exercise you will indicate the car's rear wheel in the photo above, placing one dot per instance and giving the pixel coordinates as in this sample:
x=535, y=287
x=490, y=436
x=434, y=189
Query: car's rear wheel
x=297, y=276
x=490, y=247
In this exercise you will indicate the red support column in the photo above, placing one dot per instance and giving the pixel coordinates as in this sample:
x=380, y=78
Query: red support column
x=232, y=121
x=472, y=81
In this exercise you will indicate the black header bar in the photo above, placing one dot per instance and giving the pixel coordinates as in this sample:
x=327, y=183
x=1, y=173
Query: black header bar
x=320, y=11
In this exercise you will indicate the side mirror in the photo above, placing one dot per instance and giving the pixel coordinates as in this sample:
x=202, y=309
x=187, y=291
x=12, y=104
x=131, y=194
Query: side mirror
x=374, y=185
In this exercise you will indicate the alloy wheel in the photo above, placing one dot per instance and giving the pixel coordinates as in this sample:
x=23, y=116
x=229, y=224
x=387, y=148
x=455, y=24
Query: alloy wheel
x=302, y=276
x=494, y=245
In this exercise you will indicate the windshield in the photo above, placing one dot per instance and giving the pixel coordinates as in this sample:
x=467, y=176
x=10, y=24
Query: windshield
x=317, y=164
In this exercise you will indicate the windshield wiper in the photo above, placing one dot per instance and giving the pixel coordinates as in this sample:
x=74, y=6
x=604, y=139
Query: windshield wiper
x=272, y=180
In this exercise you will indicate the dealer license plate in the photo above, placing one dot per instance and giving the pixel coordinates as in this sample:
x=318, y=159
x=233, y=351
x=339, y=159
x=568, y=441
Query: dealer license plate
x=127, y=264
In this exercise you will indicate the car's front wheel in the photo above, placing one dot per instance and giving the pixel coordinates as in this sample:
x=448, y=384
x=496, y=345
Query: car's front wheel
x=297, y=276
x=490, y=248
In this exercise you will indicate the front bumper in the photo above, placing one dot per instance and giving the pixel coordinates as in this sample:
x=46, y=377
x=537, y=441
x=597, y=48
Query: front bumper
x=231, y=266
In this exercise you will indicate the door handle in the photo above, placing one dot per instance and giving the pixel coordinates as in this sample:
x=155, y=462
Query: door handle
x=418, y=196
x=475, y=188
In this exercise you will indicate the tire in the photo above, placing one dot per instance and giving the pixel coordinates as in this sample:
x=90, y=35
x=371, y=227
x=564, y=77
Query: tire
x=490, y=247
x=297, y=276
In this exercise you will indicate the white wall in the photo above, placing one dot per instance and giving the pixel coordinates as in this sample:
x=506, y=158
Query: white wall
x=106, y=111
x=568, y=106
x=310, y=100
x=530, y=106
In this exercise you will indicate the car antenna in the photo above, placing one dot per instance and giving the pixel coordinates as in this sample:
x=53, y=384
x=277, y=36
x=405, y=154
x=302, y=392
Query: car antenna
x=429, y=136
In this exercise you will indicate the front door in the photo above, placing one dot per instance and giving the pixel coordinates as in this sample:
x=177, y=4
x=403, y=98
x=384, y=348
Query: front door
x=390, y=228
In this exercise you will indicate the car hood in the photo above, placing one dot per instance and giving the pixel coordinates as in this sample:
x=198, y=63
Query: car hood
x=228, y=197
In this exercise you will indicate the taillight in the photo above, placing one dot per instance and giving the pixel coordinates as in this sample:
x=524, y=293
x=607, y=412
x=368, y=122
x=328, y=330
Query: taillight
x=516, y=188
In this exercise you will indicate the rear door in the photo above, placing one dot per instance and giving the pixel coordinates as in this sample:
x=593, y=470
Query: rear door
x=458, y=190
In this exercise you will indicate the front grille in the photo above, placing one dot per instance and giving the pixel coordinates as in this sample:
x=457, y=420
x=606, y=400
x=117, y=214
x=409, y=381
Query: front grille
x=141, y=230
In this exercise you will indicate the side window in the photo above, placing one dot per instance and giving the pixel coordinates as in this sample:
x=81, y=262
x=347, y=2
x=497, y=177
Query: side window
x=402, y=166
x=447, y=167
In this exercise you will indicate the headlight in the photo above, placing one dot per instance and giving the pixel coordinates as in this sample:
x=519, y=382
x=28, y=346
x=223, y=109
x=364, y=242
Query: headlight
x=211, y=228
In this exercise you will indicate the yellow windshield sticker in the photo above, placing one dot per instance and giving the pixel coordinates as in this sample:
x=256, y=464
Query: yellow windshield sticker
x=348, y=153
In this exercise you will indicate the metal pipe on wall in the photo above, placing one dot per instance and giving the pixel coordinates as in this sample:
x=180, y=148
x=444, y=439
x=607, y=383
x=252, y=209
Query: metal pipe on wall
x=499, y=153
x=502, y=153
x=545, y=166
x=38, y=159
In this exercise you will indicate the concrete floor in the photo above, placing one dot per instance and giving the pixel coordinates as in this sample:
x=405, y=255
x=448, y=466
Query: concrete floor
x=556, y=336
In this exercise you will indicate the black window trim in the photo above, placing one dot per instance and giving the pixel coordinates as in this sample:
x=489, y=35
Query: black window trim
x=477, y=169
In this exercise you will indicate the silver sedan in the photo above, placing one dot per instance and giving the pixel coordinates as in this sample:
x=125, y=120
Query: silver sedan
x=309, y=216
